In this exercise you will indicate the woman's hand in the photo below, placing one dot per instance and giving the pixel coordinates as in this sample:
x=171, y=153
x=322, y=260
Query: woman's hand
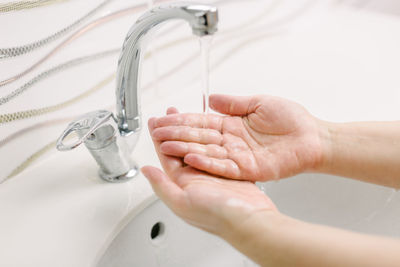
x=261, y=139
x=241, y=214
x=213, y=204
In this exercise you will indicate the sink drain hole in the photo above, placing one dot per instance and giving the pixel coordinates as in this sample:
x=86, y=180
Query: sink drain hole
x=157, y=230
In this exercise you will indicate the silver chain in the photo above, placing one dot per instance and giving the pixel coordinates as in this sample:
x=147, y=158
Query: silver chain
x=9, y=117
x=56, y=69
x=32, y=158
x=20, y=50
x=20, y=5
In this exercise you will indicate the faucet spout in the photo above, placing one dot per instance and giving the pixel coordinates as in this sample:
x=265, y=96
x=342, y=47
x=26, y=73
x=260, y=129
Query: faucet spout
x=202, y=18
x=102, y=132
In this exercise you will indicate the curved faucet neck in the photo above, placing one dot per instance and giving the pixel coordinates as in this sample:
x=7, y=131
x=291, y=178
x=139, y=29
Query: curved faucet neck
x=203, y=20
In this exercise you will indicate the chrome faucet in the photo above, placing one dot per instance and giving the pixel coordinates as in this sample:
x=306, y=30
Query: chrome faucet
x=111, y=139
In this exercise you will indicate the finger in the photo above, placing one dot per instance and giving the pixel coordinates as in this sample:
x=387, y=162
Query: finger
x=221, y=167
x=211, y=121
x=233, y=105
x=172, y=110
x=151, y=124
x=181, y=149
x=187, y=134
x=170, y=164
x=169, y=192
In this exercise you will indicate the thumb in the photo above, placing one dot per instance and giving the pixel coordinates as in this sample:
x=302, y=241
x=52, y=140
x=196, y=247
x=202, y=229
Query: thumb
x=233, y=105
x=169, y=192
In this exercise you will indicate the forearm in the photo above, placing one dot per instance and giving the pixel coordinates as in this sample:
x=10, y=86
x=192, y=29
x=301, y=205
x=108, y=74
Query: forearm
x=368, y=151
x=272, y=239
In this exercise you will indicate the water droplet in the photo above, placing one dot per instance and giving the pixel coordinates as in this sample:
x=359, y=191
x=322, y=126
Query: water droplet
x=262, y=187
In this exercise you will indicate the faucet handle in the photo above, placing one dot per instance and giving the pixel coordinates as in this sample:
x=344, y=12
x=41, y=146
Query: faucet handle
x=84, y=126
x=99, y=132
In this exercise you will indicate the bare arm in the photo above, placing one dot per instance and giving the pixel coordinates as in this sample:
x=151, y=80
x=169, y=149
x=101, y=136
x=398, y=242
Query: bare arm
x=368, y=151
x=272, y=239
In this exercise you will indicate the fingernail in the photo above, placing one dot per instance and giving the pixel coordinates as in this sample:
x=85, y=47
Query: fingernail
x=210, y=103
x=162, y=148
x=152, y=122
x=144, y=170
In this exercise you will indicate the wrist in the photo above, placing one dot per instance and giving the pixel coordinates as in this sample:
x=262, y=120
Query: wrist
x=327, y=136
x=238, y=231
x=256, y=236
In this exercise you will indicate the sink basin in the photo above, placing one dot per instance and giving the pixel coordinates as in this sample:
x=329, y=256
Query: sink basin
x=156, y=237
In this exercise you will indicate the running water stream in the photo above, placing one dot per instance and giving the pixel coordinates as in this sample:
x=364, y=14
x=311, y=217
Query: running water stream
x=205, y=44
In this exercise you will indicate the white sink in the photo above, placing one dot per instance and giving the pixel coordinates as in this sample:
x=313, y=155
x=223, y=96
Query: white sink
x=156, y=237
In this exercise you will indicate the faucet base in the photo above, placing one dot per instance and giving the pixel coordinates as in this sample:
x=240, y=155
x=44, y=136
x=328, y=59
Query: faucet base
x=120, y=178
